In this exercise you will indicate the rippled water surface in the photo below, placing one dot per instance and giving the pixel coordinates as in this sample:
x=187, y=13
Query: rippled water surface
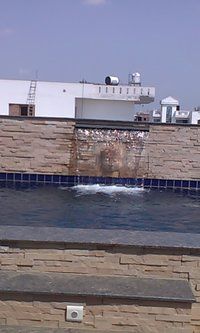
x=95, y=206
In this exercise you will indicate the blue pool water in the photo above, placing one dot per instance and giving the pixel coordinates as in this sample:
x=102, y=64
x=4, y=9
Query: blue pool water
x=106, y=207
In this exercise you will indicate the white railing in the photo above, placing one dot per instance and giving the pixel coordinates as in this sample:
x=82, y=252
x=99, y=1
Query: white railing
x=156, y=113
x=182, y=114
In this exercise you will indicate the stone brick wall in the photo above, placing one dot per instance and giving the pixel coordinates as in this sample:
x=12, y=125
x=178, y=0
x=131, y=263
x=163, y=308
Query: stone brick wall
x=99, y=314
x=57, y=147
x=113, y=261
x=173, y=152
x=37, y=146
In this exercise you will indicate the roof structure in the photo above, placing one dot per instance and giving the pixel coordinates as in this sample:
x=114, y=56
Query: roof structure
x=169, y=101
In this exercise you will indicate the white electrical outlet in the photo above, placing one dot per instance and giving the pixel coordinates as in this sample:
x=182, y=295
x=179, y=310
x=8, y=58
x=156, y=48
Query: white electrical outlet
x=74, y=313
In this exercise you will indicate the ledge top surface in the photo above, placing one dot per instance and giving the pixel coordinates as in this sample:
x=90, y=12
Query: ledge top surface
x=101, y=237
x=144, y=289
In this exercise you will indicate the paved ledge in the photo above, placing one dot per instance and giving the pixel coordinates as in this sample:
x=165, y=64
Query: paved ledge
x=116, y=125
x=96, y=286
x=85, y=237
x=20, y=329
x=97, y=121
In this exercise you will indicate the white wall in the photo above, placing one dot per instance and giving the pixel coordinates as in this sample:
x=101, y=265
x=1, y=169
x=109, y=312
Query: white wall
x=195, y=117
x=12, y=92
x=53, y=99
x=164, y=113
x=56, y=99
x=102, y=109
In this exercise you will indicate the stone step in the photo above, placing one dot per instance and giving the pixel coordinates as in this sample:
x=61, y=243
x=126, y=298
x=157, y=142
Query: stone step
x=168, y=290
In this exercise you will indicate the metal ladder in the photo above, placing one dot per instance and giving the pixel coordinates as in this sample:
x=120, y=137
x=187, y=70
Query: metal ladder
x=31, y=98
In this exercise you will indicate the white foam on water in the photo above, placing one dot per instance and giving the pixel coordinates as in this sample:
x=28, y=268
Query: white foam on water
x=107, y=189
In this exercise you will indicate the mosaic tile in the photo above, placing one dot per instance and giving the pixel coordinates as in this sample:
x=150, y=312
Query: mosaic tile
x=162, y=183
x=154, y=182
x=25, y=177
x=193, y=184
x=66, y=180
x=185, y=183
x=10, y=176
x=177, y=183
x=18, y=177
x=2, y=176
x=170, y=183
x=147, y=182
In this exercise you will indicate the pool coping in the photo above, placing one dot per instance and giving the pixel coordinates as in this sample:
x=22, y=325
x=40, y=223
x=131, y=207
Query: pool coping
x=98, y=237
x=117, y=287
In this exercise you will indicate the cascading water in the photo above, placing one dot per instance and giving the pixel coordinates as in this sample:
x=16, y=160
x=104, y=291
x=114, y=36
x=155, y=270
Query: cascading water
x=77, y=157
x=111, y=153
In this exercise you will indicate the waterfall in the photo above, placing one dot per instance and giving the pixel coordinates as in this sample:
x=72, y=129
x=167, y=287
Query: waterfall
x=110, y=153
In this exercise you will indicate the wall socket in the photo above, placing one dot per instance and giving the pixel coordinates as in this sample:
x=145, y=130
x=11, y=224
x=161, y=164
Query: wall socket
x=74, y=313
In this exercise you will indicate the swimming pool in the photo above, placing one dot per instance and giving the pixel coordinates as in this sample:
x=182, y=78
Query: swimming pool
x=103, y=207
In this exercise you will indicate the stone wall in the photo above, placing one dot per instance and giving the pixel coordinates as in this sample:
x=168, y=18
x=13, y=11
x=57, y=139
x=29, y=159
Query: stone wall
x=109, y=314
x=173, y=152
x=105, y=315
x=38, y=145
x=35, y=145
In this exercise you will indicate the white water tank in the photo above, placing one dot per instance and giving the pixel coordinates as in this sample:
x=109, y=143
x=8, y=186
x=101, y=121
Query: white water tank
x=112, y=80
x=136, y=79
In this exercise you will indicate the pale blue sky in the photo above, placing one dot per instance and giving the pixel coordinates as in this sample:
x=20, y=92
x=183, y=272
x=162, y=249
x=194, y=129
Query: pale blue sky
x=67, y=40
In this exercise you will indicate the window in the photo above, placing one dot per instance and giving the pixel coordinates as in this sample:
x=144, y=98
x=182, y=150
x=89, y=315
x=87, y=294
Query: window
x=169, y=114
x=99, y=90
x=127, y=91
x=181, y=121
x=120, y=90
x=106, y=89
x=113, y=90
x=24, y=110
x=156, y=120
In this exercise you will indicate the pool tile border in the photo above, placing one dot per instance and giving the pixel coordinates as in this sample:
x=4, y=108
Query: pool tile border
x=70, y=180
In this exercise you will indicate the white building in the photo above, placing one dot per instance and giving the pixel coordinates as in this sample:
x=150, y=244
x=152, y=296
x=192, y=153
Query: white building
x=73, y=100
x=170, y=112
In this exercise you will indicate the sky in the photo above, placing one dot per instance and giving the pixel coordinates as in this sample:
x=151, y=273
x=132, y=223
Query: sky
x=71, y=40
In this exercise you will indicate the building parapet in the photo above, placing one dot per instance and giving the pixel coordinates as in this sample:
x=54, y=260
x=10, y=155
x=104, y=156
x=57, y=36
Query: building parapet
x=121, y=92
x=182, y=114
